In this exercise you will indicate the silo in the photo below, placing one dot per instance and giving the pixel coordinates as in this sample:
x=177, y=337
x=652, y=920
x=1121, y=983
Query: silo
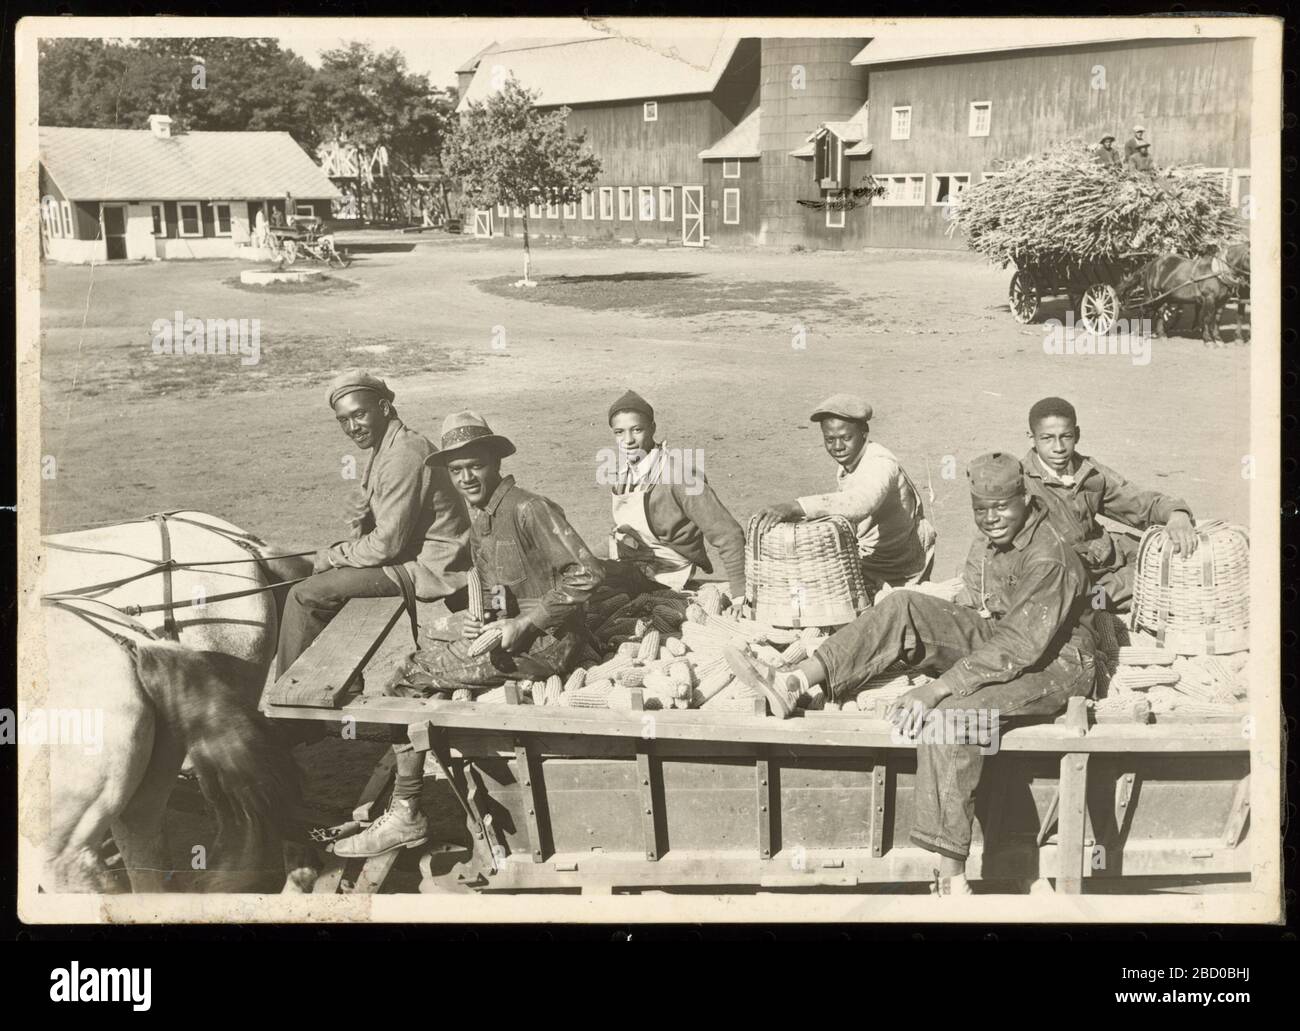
x=802, y=82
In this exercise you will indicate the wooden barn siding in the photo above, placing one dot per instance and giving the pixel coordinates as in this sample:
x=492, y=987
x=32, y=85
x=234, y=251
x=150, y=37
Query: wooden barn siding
x=751, y=205
x=1193, y=97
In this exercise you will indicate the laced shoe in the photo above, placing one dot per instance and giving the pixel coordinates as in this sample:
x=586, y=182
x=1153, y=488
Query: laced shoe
x=401, y=825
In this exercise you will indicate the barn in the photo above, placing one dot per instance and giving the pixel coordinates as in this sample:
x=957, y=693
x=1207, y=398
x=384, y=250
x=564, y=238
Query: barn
x=763, y=142
x=115, y=194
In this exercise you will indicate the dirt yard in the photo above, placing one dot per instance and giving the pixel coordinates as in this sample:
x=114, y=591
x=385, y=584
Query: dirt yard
x=732, y=348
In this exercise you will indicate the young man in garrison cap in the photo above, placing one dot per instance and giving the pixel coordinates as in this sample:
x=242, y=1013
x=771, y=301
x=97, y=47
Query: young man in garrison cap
x=410, y=529
x=1016, y=644
x=874, y=492
x=664, y=508
x=535, y=574
x=1076, y=489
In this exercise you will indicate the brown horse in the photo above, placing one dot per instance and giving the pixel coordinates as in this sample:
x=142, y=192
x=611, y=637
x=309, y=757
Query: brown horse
x=1237, y=257
x=1204, y=283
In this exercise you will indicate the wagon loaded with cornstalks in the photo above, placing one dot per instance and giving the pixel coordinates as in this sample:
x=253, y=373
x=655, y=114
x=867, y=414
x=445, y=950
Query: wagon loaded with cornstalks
x=1078, y=229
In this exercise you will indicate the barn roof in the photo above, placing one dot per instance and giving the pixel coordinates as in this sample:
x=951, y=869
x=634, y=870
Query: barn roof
x=122, y=164
x=741, y=142
x=607, y=68
x=851, y=130
x=931, y=38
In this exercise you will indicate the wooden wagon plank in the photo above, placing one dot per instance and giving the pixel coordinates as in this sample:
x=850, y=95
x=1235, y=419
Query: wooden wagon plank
x=322, y=674
x=1071, y=824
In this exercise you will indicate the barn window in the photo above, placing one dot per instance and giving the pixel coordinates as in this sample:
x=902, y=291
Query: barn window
x=828, y=161
x=650, y=111
x=570, y=210
x=731, y=168
x=502, y=210
x=50, y=216
x=625, y=204
x=645, y=203
x=731, y=207
x=159, y=221
x=191, y=222
x=665, y=204
x=534, y=210
x=588, y=205
x=67, y=221
x=834, y=218
x=606, y=203
x=981, y=113
x=901, y=190
x=552, y=209
x=518, y=211
x=900, y=126
x=948, y=186
x=1240, y=187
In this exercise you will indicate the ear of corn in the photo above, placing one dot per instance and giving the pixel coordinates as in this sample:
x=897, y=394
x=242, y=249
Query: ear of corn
x=462, y=694
x=474, y=591
x=713, y=684
x=487, y=640
x=552, y=691
x=709, y=599
x=1133, y=655
x=633, y=676
x=649, y=649
x=493, y=695
x=680, y=672
x=599, y=612
x=576, y=679
x=1132, y=678
x=796, y=652
x=609, y=668
x=629, y=649
x=675, y=646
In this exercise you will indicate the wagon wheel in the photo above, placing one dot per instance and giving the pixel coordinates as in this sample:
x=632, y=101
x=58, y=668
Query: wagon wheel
x=1023, y=297
x=1099, y=308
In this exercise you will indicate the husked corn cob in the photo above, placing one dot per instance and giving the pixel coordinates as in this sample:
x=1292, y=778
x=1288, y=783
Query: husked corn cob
x=1131, y=678
x=462, y=694
x=594, y=696
x=778, y=636
x=474, y=591
x=670, y=599
x=649, y=649
x=675, y=646
x=598, y=612
x=576, y=679
x=698, y=638
x=711, y=666
x=1107, y=636
x=849, y=705
x=680, y=672
x=493, y=695
x=832, y=706
x=487, y=640
x=642, y=625
x=629, y=649
x=615, y=627
x=767, y=654
x=608, y=669
x=663, y=624
x=550, y=694
x=1132, y=655
x=796, y=652
x=709, y=598
x=713, y=684
x=632, y=676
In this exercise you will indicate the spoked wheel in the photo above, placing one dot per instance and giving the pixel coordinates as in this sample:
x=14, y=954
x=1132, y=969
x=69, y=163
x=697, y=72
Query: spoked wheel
x=1023, y=297
x=1099, y=308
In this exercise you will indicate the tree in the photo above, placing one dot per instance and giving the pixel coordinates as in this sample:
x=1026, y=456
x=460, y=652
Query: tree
x=505, y=151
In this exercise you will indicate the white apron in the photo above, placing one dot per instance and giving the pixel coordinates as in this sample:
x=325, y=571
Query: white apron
x=633, y=540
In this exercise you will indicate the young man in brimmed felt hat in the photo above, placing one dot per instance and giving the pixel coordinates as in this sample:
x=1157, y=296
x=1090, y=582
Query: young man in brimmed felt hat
x=1076, y=489
x=1140, y=160
x=664, y=509
x=410, y=529
x=1105, y=152
x=536, y=575
x=895, y=540
x=1016, y=644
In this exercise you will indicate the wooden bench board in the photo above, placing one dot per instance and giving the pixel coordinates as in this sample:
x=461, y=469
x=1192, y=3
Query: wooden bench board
x=322, y=674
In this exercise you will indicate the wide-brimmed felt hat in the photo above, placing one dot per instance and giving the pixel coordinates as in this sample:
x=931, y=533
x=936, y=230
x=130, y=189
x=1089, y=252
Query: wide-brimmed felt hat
x=462, y=429
x=1109, y=136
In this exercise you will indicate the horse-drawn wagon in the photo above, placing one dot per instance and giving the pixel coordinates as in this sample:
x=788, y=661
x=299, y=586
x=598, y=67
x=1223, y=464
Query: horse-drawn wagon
x=547, y=798
x=1092, y=287
x=305, y=236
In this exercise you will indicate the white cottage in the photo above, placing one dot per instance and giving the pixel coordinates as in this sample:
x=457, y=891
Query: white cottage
x=113, y=194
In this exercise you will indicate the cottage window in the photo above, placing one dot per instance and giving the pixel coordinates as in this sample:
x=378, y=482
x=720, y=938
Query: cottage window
x=665, y=204
x=731, y=168
x=222, y=213
x=588, y=205
x=570, y=211
x=534, y=210
x=552, y=209
x=502, y=211
x=159, y=221
x=834, y=218
x=625, y=204
x=191, y=222
x=607, y=203
x=645, y=202
x=67, y=221
x=517, y=210
x=304, y=211
x=948, y=186
x=981, y=114
x=900, y=126
x=731, y=207
x=901, y=190
x=50, y=216
x=650, y=111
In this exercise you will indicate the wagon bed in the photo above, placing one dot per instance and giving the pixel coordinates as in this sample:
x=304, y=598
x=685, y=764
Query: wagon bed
x=1092, y=286
x=598, y=801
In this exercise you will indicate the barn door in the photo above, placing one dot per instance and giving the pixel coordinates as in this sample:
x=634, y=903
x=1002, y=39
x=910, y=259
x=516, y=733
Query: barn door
x=693, y=216
x=483, y=222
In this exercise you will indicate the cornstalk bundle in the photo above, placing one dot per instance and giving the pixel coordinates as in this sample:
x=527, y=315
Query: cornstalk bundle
x=1063, y=207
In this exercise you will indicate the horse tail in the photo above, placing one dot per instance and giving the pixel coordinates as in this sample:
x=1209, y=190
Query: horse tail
x=245, y=773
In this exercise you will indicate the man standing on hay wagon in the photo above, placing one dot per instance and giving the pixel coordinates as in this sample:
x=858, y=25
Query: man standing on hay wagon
x=895, y=540
x=1016, y=645
x=664, y=510
x=532, y=575
x=1076, y=489
x=410, y=528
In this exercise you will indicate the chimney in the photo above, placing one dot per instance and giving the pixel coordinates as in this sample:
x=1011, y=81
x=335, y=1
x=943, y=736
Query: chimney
x=160, y=126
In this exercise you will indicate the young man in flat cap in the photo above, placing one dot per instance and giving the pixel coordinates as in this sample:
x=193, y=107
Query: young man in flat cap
x=1016, y=644
x=1138, y=139
x=535, y=573
x=664, y=508
x=1076, y=489
x=410, y=529
x=895, y=540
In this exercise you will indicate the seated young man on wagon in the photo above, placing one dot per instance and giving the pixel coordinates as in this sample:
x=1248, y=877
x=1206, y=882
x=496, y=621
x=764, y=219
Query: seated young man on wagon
x=1016, y=644
x=536, y=574
x=410, y=528
x=1076, y=489
x=895, y=540
x=664, y=511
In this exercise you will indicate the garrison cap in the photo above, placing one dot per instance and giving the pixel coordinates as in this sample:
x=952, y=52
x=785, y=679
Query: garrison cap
x=996, y=476
x=632, y=402
x=842, y=406
x=461, y=429
x=357, y=379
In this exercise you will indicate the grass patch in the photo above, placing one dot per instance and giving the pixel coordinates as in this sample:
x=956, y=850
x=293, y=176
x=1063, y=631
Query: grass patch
x=325, y=284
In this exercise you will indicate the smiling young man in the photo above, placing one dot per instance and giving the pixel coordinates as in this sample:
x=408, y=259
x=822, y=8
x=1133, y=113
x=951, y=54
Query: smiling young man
x=664, y=508
x=1076, y=489
x=1016, y=644
x=535, y=573
x=895, y=540
x=410, y=531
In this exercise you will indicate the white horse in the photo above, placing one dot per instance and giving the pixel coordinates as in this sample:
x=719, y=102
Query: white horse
x=172, y=658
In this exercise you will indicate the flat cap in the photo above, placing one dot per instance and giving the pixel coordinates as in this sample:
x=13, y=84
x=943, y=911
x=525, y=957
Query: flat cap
x=996, y=476
x=1139, y=128
x=357, y=379
x=842, y=406
x=632, y=402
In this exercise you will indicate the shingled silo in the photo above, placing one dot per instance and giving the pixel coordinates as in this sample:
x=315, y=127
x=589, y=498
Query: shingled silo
x=832, y=90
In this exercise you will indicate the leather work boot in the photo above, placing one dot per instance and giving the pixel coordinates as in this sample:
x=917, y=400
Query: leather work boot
x=770, y=684
x=402, y=825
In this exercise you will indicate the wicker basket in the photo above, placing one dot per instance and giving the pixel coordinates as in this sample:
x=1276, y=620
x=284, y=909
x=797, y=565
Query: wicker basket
x=1199, y=604
x=805, y=573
